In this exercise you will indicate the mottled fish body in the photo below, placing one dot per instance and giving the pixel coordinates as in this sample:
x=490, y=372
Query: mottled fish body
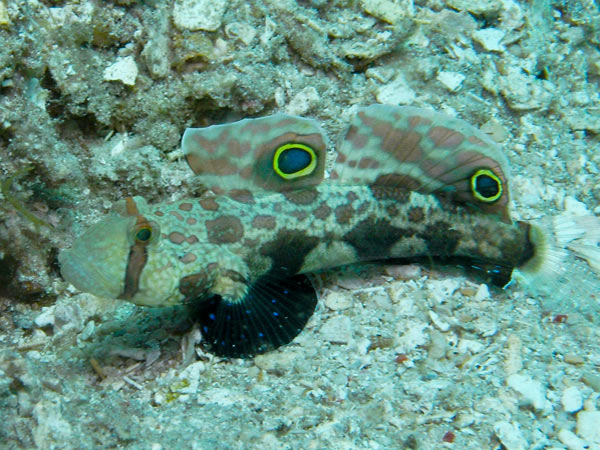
x=407, y=183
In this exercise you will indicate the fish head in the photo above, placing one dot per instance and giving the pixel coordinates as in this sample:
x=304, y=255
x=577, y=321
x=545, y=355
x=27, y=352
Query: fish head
x=125, y=256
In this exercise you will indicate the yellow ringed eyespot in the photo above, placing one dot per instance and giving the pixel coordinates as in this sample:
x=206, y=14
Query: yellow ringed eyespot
x=294, y=160
x=486, y=186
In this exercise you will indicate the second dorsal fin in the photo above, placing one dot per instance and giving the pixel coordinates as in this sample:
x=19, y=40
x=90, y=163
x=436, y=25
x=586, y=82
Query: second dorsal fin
x=273, y=153
x=420, y=149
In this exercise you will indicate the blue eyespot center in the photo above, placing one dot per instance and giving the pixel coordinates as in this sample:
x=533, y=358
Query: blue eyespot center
x=294, y=160
x=486, y=186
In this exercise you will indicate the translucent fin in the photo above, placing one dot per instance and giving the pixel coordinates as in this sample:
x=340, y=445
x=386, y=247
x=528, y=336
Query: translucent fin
x=420, y=149
x=553, y=270
x=272, y=314
x=244, y=154
x=581, y=235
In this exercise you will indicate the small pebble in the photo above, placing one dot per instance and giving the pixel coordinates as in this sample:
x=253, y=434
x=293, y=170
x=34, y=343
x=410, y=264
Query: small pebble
x=451, y=80
x=588, y=426
x=396, y=92
x=337, y=300
x=572, y=400
x=199, y=14
x=124, y=70
x=337, y=330
x=570, y=358
x=532, y=392
x=571, y=440
x=490, y=39
x=510, y=436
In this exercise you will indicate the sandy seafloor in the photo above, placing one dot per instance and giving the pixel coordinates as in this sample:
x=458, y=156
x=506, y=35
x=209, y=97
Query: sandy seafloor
x=94, y=97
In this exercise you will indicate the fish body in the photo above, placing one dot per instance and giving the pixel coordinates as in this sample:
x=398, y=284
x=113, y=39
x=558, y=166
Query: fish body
x=407, y=183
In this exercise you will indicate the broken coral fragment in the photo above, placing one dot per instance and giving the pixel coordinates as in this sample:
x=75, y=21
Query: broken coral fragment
x=124, y=70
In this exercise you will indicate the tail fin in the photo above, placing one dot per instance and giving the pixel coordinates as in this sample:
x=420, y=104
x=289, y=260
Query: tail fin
x=554, y=271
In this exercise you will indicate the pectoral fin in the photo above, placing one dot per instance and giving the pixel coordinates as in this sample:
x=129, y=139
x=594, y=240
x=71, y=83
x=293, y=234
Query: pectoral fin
x=271, y=314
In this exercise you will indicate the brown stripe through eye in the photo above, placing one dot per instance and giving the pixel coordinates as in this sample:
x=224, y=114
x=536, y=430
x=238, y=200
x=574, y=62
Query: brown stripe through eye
x=138, y=255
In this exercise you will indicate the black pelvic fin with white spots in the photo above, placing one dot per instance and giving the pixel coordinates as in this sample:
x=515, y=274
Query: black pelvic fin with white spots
x=272, y=314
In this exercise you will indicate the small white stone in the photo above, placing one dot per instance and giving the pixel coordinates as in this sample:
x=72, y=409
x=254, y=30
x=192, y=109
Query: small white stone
x=303, y=101
x=442, y=290
x=277, y=362
x=388, y=11
x=337, y=300
x=199, y=14
x=397, y=92
x=510, y=436
x=490, y=39
x=440, y=324
x=451, y=80
x=45, y=318
x=124, y=70
x=483, y=292
x=532, y=391
x=572, y=400
x=588, y=426
x=337, y=330
x=470, y=345
x=575, y=207
x=240, y=31
x=571, y=440
x=191, y=374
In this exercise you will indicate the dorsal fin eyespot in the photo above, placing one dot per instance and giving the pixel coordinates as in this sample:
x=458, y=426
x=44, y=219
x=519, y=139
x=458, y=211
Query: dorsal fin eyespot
x=406, y=147
x=245, y=154
x=425, y=151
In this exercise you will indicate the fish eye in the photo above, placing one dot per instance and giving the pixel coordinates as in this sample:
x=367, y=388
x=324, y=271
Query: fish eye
x=294, y=160
x=486, y=186
x=143, y=234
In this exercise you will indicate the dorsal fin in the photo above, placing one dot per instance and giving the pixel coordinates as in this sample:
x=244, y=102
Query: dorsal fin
x=420, y=149
x=273, y=153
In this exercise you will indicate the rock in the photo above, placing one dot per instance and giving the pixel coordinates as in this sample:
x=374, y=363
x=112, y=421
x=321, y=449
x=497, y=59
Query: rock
x=574, y=207
x=388, y=11
x=483, y=292
x=397, y=92
x=531, y=391
x=240, y=32
x=525, y=92
x=337, y=330
x=513, y=361
x=277, y=362
x=191, y=376
x=4, y=19
x=477, y=7
x=490, y=39
x=45, y=318
x=451, y=80
x=441, y=290
x=439, y=323
x=510, y=436
x=571, y=440
x=303, y=101
x=51, y=428
x=124, y=70
x=337, y=300
x=156, y=49
x=588, y=426
x=572, y=400
x=199, y=14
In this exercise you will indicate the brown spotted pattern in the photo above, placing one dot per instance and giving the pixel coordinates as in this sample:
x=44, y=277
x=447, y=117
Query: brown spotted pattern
x=398, y=189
